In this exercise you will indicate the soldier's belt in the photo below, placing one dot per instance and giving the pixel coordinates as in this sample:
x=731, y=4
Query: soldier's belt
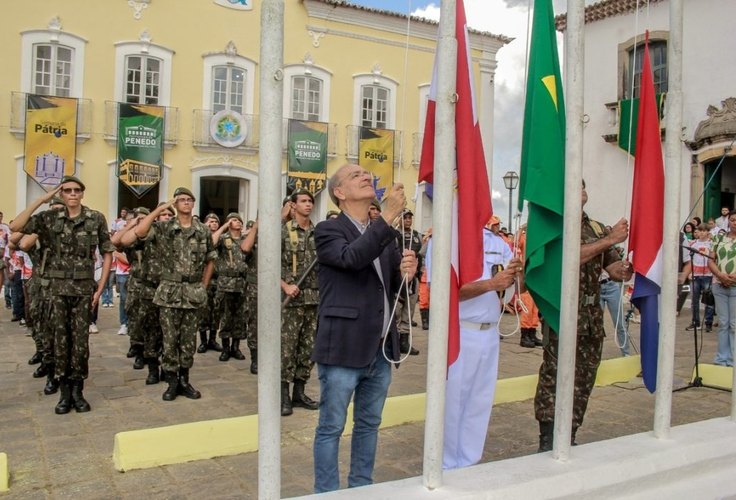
x=470, y=325
x=181, y=278
x=230, y=274
x=589, y=300
x=69, y=275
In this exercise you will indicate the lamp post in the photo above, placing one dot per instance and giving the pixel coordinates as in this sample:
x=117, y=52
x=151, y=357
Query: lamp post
x=510, y=180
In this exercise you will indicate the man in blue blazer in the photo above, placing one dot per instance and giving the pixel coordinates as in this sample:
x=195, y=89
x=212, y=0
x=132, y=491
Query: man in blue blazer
x=360, y=272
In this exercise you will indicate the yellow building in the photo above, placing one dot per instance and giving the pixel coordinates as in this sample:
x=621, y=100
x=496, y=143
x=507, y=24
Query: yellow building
x=344, y=65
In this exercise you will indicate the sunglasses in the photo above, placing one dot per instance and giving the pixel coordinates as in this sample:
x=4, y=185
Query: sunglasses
x=71, y=190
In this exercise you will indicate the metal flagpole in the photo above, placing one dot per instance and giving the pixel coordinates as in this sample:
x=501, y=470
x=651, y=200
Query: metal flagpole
x=269, y=249
x=444, y=162
x=670, y=241
x=574, y=66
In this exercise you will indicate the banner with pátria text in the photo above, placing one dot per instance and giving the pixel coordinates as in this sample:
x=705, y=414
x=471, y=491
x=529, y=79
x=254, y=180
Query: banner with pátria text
x=51, y=138
x=140, y=146
x=376, y=154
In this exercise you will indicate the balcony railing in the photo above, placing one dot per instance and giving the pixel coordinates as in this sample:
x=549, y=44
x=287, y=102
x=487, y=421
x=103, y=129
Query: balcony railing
x=331, y=138
x=18, y=116
x=171, y=123
x=353, y=144
x=201, y=137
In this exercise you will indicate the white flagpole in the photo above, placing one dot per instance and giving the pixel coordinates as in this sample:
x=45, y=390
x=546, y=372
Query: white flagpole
x=444, y=162
x=574, y=67
x=670, y=236
x=269, y=249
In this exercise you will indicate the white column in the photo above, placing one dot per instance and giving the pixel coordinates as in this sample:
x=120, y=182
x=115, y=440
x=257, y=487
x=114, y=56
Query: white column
x=444, y=161
x=269, y=250
x=486, y=110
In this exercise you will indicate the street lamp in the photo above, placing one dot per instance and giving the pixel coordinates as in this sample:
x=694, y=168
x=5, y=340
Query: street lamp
x=510, y=180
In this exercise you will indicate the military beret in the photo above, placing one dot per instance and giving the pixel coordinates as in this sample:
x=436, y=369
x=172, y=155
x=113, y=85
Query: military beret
x=141, y=210
x=183, y=190
x=234, y=215
x=376, y=204
x=297, y=192
x=212, y=215
x=71, y=178
x=408, y=213
x=250, y=223
x=331, y=213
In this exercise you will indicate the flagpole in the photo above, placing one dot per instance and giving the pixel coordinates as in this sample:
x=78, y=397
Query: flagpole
x=670, y=237
x=269, y=251
x=444, y=161
x=574, y=66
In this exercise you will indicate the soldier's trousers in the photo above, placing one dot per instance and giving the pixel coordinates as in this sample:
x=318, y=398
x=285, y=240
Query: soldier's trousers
x=251, y=315
x=402, y=311
x=232, y=315
x=298, y=328
x=136, y=317
x=179, y=328
x=587, y=361
x=144, y=325
x=209, y=314
x=69, y=322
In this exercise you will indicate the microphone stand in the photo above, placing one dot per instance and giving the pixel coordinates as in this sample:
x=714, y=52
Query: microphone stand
x=697, y=381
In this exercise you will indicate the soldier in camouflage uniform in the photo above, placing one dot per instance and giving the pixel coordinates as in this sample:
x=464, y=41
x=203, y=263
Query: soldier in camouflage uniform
x=71, y=235
x=231, y=285
x=210, y=311
x=299, y=319
x=188, y=258
x=145, y=275
x=597, y=253
x=250, y=247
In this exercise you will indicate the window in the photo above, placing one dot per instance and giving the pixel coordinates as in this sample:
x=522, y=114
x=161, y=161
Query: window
x=374, y=106
x=306, y=97
x=52, y=69
x=658, y=56
x=227, y=88
x=142, y=79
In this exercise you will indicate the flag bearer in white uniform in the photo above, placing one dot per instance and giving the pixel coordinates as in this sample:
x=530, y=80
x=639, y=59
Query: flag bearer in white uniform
x=471, y=379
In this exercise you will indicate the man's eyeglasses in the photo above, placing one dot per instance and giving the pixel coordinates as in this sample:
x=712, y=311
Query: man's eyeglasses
x=71, y=190
x=185, y=200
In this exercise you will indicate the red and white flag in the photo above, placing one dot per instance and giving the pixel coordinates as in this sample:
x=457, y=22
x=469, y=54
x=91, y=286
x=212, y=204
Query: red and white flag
x=471, y=207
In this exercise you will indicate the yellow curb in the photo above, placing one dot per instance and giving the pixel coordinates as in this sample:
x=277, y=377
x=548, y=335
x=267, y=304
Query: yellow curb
x=231, y=436
x=4, y=475
x=185, y=442
x=718, y=376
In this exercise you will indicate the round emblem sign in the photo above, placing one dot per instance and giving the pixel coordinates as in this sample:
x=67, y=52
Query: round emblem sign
x=228, y=128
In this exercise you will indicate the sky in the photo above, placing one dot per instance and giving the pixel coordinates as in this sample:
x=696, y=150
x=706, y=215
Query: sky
x=500, y=17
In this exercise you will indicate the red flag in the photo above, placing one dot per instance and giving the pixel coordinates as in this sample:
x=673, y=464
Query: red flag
x=471, y=206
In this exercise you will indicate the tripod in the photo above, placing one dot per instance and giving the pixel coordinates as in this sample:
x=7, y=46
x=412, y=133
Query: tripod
x=697, y=381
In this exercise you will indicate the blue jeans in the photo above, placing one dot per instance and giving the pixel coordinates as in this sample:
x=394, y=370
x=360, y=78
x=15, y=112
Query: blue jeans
x=107, y=292
x=611, y=298
x=337, y=386
x=726, y=310
x=122, y=282
x=17, y=298
x=7, y=285
x=699, y=285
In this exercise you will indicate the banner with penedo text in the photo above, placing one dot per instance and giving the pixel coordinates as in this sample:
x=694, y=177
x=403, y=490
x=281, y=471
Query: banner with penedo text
x=376, y=154
x=50, y=138
x=307, y=156
x=140, y=146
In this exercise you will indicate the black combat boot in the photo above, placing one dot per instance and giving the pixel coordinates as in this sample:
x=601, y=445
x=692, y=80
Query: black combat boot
x=41, y=371
x=153, y=375
x=52, y=385
x=202, y=342
x=572, y=435
x=80, y=404
x=139, y=361
x=185, y=388
x=36, y=358
x=546, y=436
x=173, y=389
x=526, y=339
x=537, y=341
x=65, y=399
x=134, y=349
x=235, y=350
x=212, y=344
x=404, y=345
x=286, y=408
x=254, y=361
x=424, y=313
x=225, y=354
x=300, y=399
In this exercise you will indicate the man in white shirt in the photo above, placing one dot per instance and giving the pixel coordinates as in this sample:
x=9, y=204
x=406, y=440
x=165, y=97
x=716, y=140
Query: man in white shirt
x=722, y=221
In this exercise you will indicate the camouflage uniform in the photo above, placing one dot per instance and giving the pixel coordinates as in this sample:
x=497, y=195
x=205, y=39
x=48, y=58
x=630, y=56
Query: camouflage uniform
x=144, y=326
x=299, y=320
x=231, y=286
x=251, y=298
x=180, y=295
x=590, y=336
x=69, y=272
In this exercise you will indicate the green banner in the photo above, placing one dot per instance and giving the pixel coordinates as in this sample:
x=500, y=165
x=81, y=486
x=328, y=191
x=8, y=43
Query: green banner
x=307, y=156
x=140, y=146
x=628, y=116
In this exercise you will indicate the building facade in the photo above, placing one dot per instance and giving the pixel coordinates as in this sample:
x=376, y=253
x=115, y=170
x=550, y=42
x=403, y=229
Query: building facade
x=344, y=65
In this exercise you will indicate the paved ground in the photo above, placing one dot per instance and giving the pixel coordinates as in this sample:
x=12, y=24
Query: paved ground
x=52, y=456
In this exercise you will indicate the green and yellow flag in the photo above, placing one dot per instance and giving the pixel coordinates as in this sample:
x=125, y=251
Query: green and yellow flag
x=542, y=180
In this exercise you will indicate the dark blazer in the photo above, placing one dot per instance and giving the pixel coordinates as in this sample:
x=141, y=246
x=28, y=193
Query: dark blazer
x=350, y=317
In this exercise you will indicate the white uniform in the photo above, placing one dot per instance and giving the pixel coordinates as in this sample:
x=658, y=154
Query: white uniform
x=471, y=380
